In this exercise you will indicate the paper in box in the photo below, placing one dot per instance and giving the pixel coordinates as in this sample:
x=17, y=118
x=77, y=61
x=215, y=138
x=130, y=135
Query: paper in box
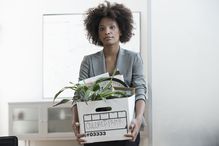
x=106, y=120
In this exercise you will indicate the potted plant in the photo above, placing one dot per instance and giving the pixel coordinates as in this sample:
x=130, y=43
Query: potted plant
x=101, y=89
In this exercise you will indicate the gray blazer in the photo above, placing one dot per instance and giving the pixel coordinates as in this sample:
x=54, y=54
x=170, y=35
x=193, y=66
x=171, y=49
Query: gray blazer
x=129, y=64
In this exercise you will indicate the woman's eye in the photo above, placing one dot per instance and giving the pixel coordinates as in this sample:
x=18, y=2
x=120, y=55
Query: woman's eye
x=112, y=27
x=101, y=28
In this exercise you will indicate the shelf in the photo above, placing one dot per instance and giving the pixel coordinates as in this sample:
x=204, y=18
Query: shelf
x=37, y=120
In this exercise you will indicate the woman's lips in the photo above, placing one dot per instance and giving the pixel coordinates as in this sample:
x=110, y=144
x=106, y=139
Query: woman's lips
x=108, y=38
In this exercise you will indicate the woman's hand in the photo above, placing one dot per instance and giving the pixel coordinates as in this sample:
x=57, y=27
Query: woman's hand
x=136, y=123
x=76, y=126
x=134, y=129
x=76, y=129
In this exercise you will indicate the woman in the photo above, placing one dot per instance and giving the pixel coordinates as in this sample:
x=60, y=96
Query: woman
x=107, y=26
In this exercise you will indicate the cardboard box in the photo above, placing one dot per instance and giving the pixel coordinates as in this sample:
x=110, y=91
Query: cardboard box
x=106, y=120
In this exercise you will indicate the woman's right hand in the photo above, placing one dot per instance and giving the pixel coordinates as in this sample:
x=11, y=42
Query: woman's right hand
x=76, y=126
x=76, y=129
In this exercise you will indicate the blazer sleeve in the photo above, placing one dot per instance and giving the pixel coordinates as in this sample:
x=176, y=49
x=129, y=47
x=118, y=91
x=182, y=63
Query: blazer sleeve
x=138, y=81
x=84, y=69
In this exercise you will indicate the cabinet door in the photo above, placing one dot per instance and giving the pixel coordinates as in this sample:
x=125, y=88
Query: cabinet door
x=24, y=119
x=59, y=119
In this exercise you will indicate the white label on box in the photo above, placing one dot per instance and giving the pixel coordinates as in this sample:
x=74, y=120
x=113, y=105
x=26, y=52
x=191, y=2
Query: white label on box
x=99, y=124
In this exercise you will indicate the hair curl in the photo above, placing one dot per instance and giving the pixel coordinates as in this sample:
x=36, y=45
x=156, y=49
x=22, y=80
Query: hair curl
x=118, y=12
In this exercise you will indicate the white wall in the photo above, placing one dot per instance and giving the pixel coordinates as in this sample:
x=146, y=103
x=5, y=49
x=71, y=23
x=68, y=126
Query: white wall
x=185, y=82
x=21, y=46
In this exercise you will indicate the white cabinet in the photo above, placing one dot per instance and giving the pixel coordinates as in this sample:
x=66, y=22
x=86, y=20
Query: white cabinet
x=40, y=121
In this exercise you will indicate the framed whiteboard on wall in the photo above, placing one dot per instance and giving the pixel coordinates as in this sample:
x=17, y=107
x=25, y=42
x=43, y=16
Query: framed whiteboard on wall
x=64, y=46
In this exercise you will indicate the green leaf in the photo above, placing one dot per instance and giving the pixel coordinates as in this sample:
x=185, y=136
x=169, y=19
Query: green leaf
x=96, y=87
x=63, y=89
x=88, y=95
x=62, y=102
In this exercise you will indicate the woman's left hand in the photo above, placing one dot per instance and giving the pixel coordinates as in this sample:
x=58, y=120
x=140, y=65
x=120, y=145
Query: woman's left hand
x=134, y=129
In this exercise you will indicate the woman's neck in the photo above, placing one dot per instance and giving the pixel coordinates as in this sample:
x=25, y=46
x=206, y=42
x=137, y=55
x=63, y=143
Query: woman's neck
x=111, y=51
x=110, y=54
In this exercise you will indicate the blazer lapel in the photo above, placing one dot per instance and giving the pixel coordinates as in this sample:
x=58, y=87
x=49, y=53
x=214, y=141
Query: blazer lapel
x=99, y=63
x=122, y=62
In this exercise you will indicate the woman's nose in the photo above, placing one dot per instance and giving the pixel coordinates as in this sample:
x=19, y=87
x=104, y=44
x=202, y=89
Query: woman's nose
x=107, y=31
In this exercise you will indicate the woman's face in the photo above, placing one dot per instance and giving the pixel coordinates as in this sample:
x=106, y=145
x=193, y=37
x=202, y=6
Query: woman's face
x=109, y=32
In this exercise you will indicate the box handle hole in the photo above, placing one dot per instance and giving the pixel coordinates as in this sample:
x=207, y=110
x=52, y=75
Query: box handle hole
x=103, y=109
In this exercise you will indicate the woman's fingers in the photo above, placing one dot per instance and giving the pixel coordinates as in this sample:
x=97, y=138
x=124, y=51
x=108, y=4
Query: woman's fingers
x=133, y=131
x=80, y=138
x=76, y=129
x=132, y=126
x=132, y=136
